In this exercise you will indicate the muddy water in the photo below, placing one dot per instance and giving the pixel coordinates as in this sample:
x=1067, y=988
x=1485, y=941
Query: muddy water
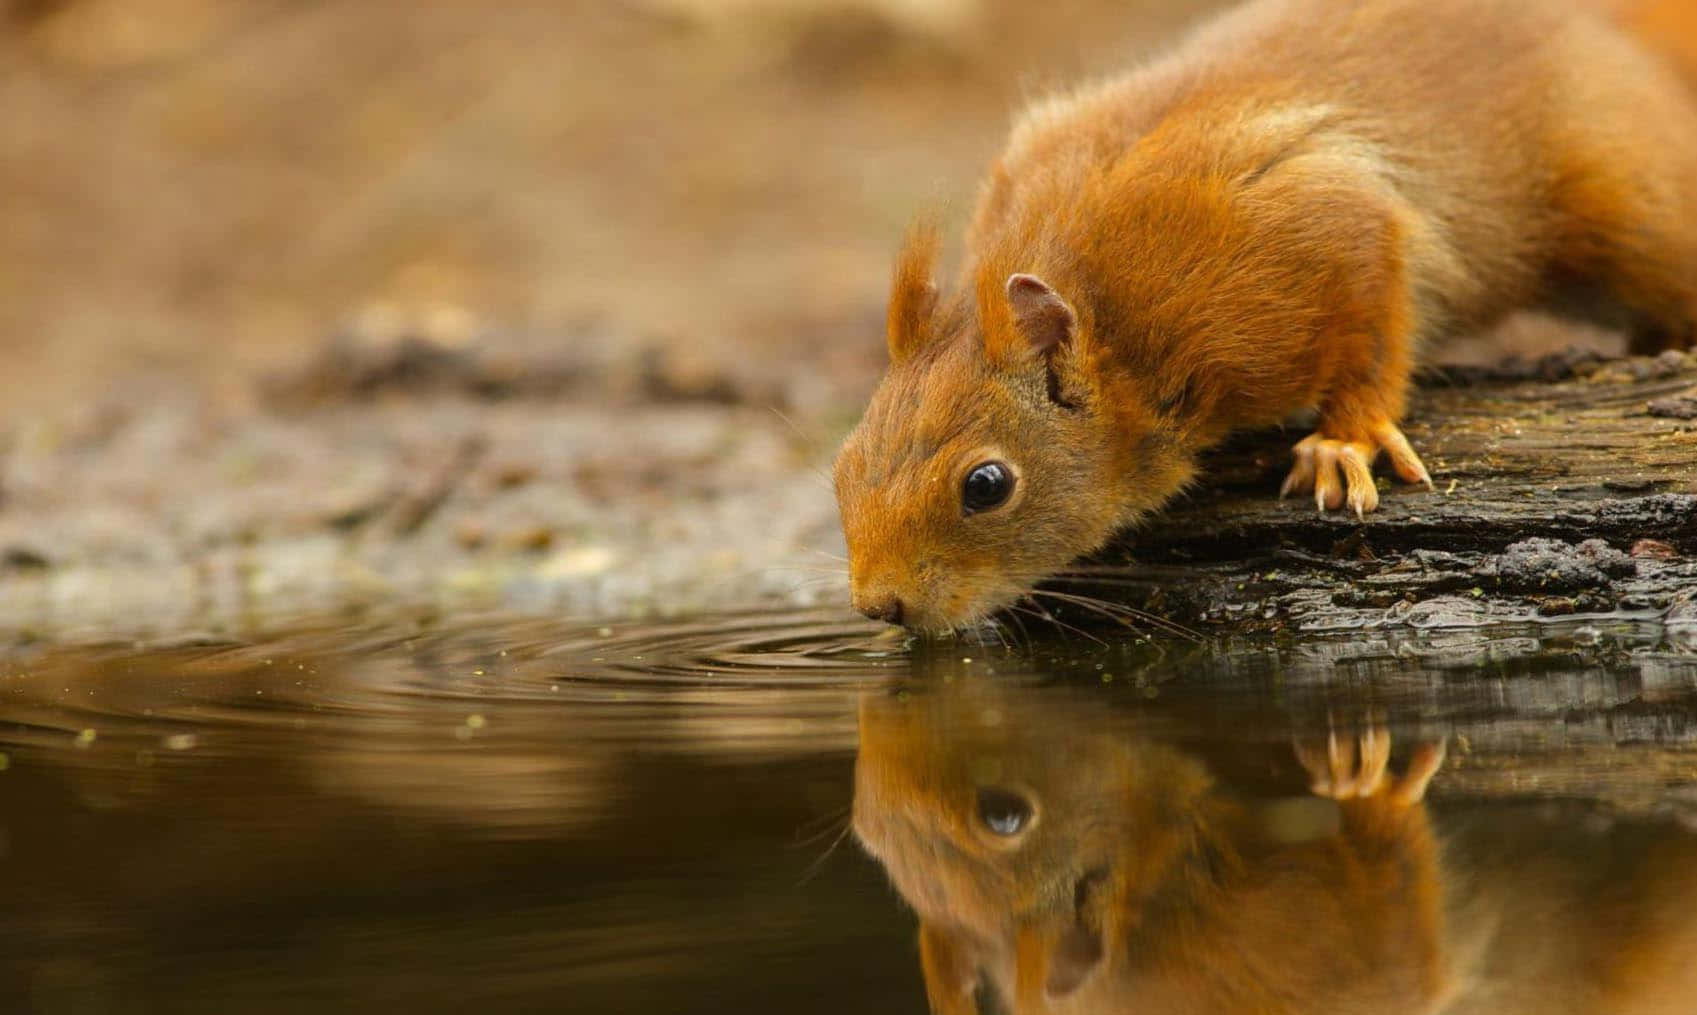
x=540, y=817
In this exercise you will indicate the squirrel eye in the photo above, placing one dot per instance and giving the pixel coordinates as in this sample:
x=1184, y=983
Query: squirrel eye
x=1003, y=813
x=987, y=485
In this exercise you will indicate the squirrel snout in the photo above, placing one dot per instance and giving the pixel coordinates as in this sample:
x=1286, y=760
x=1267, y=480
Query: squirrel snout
x=885, y=607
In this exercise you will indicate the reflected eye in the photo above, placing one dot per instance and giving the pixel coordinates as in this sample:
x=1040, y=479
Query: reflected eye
x=986, y=486
x=1003, y=813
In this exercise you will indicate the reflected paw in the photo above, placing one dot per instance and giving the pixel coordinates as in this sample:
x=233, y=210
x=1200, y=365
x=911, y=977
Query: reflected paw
x=1357, y=768
x=1340, y=471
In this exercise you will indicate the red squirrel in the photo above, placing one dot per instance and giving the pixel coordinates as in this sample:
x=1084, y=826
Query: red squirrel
x=1281, y=214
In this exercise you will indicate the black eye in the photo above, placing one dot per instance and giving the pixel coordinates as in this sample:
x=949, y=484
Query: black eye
x=1003, y=813
x=986, y=486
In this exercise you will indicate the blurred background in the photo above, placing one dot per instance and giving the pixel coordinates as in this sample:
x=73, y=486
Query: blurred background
x=204, y=189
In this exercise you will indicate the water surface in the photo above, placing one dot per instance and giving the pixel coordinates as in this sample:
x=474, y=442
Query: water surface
x=545, y=817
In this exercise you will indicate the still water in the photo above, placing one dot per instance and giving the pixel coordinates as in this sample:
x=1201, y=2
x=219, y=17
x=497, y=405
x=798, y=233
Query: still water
x=759, y=813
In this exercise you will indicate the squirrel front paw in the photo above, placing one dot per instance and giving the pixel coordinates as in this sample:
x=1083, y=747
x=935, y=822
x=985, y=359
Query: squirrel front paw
x=1341, y=468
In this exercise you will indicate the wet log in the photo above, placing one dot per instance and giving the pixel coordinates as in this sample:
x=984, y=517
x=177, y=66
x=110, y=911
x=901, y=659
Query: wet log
x=1566, y=486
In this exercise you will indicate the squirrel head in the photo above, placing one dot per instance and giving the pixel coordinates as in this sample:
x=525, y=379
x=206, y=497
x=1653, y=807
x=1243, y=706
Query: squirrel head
x=1021, y=823
x=995, y=451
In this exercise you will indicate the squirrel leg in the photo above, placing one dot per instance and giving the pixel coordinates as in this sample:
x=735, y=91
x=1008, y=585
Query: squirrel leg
x=1363, y=377
x=1392, y=872
x=1654, y=280
x=1624, y=217
x=1666, y=309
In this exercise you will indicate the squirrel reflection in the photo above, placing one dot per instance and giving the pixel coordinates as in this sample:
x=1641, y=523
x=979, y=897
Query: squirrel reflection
x=1061, y=860
x=1071, y=865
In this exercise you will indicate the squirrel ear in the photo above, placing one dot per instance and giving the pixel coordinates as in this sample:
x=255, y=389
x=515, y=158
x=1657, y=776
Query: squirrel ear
x=1040, y=314
x=913, y=294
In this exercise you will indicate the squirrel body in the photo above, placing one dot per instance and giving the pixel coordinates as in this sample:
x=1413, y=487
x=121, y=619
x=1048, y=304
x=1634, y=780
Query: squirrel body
x=1282, y=214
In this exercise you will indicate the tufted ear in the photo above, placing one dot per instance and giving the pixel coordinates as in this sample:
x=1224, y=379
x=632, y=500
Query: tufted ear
x=1040, y=315
x=913, y=294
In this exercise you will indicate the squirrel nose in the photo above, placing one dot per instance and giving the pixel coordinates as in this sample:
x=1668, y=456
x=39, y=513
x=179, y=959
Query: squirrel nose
x=885, y=608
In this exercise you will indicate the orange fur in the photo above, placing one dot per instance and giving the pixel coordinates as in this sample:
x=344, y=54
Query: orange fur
x=1666, y=27
x=1281, y=214
x=913, y=295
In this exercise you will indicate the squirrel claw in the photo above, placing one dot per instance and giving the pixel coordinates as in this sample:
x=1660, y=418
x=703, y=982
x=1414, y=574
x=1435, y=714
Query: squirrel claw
x=1348, y=768
x=1407, y=464
x=1411, y=788
x=1341, y=472
x=1301, y=477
